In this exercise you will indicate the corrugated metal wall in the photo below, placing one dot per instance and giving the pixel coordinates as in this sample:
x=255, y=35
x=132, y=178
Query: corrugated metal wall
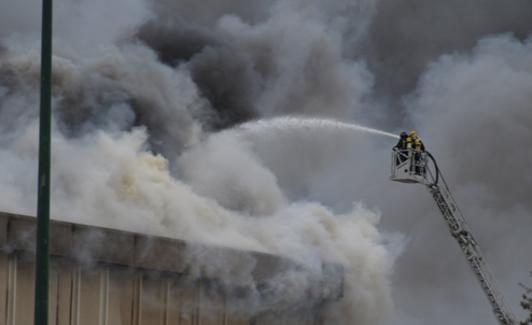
x=107, y=294
x=102, y=276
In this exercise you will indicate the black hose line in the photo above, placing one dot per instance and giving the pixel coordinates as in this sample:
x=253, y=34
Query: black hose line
x=435, y=166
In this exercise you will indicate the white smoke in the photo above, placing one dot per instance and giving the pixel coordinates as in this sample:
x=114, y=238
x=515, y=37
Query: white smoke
x=215, y=170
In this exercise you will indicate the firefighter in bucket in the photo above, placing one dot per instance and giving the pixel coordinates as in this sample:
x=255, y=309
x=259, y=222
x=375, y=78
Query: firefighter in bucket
x=410, y=143
x=419, y=148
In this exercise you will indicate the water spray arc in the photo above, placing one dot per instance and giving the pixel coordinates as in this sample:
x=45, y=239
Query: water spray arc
x=301, y=123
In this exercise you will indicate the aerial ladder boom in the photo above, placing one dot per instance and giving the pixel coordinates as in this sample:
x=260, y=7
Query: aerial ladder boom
x=411, y=166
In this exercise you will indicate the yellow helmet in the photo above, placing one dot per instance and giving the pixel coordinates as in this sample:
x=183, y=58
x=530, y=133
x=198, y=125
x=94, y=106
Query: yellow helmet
x=412, y=133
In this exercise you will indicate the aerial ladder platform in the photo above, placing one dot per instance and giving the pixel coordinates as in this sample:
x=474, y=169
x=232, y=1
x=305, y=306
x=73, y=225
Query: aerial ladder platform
x=416, y=166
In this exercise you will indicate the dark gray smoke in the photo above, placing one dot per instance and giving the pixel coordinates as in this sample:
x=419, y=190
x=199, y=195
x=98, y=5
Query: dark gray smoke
x=224, y=75
x=398, y=41
x=407, y=35
x=251, y=61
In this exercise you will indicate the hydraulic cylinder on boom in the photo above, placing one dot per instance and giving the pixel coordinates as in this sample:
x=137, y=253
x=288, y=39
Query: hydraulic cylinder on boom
x=410, y=165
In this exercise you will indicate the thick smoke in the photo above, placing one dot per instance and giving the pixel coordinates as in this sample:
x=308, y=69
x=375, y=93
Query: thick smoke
x=405, y=36
x=289, y=62
x=480, y=102
x=139, y=98
x=122, y=117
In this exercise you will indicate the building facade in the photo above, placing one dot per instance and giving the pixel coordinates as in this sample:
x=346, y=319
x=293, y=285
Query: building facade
x=102, y=276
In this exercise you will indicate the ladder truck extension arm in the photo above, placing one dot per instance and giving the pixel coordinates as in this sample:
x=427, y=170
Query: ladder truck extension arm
x=416, y=166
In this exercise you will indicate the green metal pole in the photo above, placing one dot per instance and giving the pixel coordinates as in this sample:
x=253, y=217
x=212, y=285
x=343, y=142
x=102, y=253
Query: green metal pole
x=43, y=200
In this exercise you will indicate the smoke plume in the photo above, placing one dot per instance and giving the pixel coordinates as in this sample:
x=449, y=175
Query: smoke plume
x=146, y=95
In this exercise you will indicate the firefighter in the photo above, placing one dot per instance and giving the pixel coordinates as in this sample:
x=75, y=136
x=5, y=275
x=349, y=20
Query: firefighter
x=416, y=142
x=401, y=148
x=409, y=142
x=419, y=147
x=401, y=144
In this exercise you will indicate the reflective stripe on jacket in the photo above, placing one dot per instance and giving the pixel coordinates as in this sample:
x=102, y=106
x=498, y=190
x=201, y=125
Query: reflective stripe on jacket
x=418, y=145
x=409, y=143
